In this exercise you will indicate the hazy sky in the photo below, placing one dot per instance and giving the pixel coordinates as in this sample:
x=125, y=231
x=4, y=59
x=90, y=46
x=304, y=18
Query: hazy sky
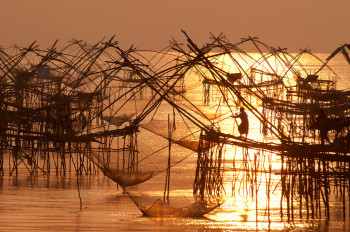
x=323, y=25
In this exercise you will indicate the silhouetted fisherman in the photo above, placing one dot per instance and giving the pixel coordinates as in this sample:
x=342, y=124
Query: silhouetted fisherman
x=243, y=128
x=322, y=126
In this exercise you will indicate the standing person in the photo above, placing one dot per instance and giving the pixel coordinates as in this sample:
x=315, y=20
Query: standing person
x=243, y=128
x=322, y=125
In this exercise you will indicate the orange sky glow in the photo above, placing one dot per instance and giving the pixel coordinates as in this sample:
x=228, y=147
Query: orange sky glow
x=320, y=25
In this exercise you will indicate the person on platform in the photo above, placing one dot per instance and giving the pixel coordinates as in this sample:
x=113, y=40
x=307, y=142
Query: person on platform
x=243, y=128
x=322, y=126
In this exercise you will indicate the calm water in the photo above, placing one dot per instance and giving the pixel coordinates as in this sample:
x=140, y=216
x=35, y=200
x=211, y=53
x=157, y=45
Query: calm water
x=51, y=203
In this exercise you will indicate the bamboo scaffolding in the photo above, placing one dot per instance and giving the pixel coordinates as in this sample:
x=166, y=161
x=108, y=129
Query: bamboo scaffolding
x=64, y=108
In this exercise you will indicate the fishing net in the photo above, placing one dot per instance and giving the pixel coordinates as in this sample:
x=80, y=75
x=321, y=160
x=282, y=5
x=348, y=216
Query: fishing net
x=173, y=192
x=131, y=157
x=153, y=200
x=185, y=134
x=162, y=209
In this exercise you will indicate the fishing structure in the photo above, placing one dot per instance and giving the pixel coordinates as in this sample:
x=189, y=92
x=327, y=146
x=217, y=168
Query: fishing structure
x=86, y=108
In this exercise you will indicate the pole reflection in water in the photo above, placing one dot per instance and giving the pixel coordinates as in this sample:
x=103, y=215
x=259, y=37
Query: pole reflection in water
x=51, y=203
